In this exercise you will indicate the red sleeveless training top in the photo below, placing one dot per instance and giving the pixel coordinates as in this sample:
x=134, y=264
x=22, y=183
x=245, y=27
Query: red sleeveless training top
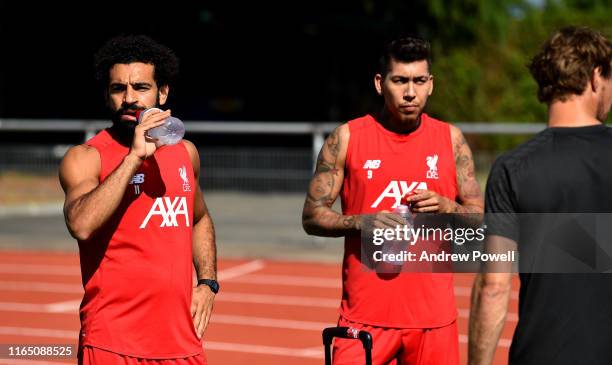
x=382, y=166
x=137, y=269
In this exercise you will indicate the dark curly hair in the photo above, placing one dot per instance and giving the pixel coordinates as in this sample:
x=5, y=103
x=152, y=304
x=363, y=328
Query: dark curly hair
x=136, y=48
x=565, y=64
x=406, y=50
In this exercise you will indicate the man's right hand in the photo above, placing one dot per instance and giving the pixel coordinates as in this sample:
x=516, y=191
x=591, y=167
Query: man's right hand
x=387, y=219
x=143, y=146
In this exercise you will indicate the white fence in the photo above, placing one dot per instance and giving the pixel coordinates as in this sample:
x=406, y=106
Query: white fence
x=270, y=168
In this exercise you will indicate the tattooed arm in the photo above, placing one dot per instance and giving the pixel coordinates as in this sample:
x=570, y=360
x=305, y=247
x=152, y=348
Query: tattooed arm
x=470, y=198
x=318, y=218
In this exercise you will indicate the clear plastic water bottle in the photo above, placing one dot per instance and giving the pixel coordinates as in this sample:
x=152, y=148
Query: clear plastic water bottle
x=169, y=133
x=405, y=210
x=398, y=246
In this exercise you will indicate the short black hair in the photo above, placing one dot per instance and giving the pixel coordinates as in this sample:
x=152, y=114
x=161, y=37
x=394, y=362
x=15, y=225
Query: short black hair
x=136, y=48
x=408, y=49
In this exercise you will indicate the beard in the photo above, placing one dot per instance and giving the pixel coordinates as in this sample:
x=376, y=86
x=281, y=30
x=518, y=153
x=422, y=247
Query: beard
x=126, y=127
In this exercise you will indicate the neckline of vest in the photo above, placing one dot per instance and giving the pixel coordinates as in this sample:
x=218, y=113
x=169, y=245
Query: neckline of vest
x=399, y=136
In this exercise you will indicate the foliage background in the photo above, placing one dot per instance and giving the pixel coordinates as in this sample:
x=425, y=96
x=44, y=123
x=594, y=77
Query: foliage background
x=292, y=61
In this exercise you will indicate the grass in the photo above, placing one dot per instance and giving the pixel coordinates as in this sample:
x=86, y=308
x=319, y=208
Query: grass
x=21, y=188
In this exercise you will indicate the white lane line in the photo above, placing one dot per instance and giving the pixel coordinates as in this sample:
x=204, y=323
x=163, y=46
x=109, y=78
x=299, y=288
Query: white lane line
x=209, y=345
x=63, y=270
x=71, y=306
x=38, y=332
x=240, y=270
x=22, y=307
x=278, y=300
x=228, y=274
x=73, y=270
x=320, y=282
x=318, y=351
x=28, y=286
x=237, y=274
x=317, y=282
x=270, y=322
x=32, y=286
x=264, y=350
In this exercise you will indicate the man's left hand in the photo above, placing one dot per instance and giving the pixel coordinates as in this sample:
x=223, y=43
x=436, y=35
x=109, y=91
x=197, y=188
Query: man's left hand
x=201, y=307
x=428, y=201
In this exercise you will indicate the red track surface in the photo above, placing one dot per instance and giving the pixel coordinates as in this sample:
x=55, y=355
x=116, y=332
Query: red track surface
x=269, y=312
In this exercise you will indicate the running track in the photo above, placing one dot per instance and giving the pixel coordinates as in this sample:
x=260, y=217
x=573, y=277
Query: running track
x=268, y=312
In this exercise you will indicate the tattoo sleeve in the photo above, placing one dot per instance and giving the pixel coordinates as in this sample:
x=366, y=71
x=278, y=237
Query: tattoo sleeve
x=470, y=198
x=318, y=217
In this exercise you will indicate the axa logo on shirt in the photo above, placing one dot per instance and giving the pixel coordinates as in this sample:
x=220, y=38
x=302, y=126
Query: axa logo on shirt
x=168, y=210
x=397, y=189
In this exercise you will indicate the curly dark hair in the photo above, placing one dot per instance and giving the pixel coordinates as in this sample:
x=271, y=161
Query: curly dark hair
x=406, y=50
x=136, y=48
x=565, y=64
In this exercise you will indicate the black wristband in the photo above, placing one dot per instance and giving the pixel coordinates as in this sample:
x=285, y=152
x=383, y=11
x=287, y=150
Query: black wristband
x=211, y=283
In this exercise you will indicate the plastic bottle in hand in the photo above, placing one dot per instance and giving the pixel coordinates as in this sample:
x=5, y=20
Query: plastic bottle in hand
x=404, y=209
x=396, y=247
x=169, y=133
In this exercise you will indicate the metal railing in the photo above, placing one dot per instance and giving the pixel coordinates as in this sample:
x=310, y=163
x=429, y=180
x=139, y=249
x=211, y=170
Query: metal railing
x=224, y=168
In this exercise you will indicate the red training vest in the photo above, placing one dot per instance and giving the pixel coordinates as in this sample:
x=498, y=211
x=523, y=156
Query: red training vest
x=382, y=166
x=137, y=268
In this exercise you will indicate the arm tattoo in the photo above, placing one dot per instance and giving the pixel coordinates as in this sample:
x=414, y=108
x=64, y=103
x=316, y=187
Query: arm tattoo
x=318, y=217
x=329, y=154
x=466, y=178
x=326, y=172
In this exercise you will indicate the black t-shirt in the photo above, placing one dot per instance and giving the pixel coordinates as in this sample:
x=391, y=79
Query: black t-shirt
x=563, y=318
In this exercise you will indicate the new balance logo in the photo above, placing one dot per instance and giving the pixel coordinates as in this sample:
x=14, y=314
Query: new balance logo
x=397, y=189
x=371, y=164
x=136, y=180
x=168, y=210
